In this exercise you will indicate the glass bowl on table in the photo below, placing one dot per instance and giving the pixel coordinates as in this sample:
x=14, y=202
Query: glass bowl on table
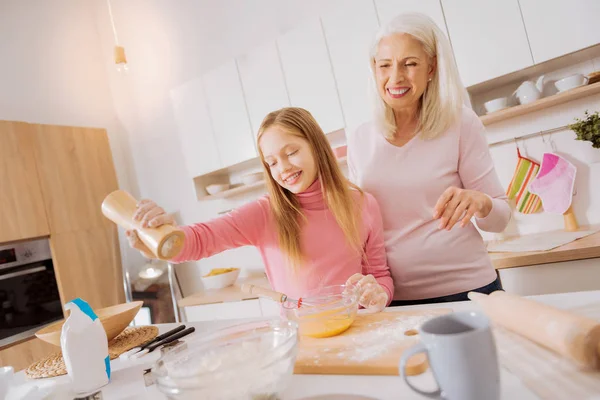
x=324, y=312
x=250, y=361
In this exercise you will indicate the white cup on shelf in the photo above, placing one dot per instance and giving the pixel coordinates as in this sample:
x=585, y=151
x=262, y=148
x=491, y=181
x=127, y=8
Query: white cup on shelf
x=496, y=104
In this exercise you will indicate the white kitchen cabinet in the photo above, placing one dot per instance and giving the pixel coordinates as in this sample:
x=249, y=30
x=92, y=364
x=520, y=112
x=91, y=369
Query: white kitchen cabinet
x=228, y=113
x=349, y=34
x=263, y=83
x=269, y=308
x=558, y=27
x=309, y=76
x=488, y=38
x=388, y=9
x=195, y=128
x=224, y=311
x=560, y=277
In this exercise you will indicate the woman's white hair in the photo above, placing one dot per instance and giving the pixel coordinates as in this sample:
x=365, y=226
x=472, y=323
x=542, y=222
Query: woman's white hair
x=442, y=101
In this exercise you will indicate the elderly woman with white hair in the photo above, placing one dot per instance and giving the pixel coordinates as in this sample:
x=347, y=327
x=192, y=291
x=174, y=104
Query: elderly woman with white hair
x=425, y=159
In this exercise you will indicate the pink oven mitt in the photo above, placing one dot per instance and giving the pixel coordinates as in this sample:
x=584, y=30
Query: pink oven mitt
x=554, y=183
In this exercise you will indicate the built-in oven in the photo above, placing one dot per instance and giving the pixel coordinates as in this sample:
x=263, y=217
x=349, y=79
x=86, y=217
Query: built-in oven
x=29, y=297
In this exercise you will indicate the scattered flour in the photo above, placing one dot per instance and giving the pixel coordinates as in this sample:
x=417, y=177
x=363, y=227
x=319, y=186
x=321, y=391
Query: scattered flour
x=381, y=337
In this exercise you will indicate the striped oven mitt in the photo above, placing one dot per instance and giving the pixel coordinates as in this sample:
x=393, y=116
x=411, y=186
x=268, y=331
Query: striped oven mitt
x=525, y=172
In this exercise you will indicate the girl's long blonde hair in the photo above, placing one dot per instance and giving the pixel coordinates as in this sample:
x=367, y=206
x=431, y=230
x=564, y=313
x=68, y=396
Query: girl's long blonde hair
x=442, y=101
x=336, y=188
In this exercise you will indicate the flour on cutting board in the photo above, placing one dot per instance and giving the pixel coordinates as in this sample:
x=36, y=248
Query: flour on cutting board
x=381, y=337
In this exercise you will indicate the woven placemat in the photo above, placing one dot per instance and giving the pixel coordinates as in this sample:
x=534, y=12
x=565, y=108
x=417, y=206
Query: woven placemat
x=130, y=338
x=54, y=365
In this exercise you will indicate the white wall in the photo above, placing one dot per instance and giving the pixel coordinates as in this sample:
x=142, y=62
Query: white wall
x=168, y=45
x=587, y=198
x=58, y=69
x=53, y=71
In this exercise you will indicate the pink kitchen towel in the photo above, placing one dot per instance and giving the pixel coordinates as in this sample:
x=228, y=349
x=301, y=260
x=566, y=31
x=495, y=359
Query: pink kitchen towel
x=554, y=183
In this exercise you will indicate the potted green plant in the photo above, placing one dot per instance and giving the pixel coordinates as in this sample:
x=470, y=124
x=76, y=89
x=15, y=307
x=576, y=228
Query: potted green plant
x=588, y=129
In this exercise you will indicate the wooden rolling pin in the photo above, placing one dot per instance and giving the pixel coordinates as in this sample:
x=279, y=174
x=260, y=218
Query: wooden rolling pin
x=571, y=335
x=165, y=242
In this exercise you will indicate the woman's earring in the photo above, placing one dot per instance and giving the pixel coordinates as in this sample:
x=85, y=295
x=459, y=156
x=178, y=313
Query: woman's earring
x=429, y=80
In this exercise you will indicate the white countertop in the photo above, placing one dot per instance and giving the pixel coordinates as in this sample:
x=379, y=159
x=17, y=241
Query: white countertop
x=127, y=381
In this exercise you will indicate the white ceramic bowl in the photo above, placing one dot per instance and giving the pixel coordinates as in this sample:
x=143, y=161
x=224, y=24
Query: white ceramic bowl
x=252, y=178
x=496, y=104
x=571, y=82
x=217, y=188
x=220, y=281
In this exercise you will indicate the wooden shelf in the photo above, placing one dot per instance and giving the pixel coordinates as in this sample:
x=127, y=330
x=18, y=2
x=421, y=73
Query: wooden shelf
x=546, y=102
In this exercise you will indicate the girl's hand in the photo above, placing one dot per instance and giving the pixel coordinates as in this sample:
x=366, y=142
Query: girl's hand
x=461, y=204
x=372, y=295
x=136, y=243
x=151, y=216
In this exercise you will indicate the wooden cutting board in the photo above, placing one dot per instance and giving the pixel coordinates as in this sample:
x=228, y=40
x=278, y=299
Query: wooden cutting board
x=372, y=346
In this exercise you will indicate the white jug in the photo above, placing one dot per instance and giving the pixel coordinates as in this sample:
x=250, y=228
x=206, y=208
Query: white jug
x=528, y=91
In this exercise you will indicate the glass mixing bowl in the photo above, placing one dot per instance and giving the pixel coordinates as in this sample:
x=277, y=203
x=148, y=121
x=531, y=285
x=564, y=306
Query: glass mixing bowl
x=253, y=361
x=324, y=312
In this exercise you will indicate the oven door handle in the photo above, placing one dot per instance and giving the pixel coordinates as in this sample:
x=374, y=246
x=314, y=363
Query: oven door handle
x=24, y=272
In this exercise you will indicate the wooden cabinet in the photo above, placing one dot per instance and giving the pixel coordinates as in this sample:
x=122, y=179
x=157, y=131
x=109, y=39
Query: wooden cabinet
x=308, y=74
x=349, y=34
x=195, y=129
x=63, y=173
x=555, y=28
x=388, y=9
x=21, y=203
x=489, y=40
x=88, y=265
x=228, y=113
x=263, y=83
x=76, y=173
x=22, y=354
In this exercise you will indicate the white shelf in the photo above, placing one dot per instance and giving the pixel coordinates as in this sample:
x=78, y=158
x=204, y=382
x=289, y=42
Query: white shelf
x=237, y=189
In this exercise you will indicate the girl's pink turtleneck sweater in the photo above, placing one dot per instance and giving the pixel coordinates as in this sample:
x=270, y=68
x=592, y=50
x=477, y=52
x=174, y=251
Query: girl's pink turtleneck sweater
x=329, y=259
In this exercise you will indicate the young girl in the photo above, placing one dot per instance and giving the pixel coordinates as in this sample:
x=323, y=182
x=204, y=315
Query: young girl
x=314, y=229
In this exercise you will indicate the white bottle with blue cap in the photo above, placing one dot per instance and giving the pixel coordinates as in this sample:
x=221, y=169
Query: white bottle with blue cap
x=85, y=348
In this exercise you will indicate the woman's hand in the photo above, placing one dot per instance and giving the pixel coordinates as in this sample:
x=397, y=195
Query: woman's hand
x=461, y=204
x=151, y=216
x=372, y=295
